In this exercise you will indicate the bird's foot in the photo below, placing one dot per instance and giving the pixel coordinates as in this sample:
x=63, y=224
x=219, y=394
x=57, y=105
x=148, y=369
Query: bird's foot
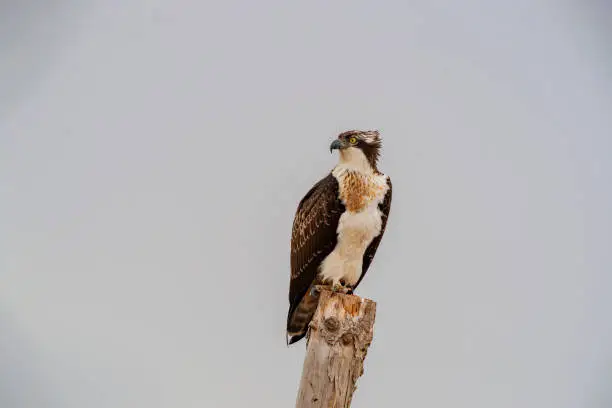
x=335, y=287
x=341, y=287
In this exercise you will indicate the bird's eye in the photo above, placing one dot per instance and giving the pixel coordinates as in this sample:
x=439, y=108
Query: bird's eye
x=353, y=140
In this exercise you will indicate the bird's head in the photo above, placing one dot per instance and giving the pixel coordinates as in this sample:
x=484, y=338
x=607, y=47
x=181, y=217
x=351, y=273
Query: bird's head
x=358, y=149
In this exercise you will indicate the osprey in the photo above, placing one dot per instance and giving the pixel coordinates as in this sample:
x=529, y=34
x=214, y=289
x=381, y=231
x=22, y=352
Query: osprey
x=337, y=227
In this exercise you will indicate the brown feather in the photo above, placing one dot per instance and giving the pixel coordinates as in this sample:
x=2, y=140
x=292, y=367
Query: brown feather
x=313, y=238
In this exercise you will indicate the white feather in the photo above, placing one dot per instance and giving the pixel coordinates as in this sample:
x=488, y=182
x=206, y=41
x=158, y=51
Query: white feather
x=353, y=159
x=356, y=230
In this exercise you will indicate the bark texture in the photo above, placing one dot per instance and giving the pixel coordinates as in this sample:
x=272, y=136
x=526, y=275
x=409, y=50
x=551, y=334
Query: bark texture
x=340, y=333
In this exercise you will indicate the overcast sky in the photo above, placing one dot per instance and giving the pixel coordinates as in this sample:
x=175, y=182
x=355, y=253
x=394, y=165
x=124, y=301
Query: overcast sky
x=152, y=154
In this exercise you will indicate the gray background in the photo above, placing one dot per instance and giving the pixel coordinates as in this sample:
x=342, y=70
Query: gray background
x=153, y=153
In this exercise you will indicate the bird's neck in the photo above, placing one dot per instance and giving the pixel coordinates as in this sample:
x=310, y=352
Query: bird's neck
x=353, y=159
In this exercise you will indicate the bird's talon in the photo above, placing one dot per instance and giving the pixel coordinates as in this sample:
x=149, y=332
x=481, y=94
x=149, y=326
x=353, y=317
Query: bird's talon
x=340, y=288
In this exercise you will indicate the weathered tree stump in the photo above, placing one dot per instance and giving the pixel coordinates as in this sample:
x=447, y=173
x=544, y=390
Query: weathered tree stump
x=340, y=333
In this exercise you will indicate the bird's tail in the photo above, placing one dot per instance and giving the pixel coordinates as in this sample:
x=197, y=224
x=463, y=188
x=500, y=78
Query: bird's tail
x=300, y=315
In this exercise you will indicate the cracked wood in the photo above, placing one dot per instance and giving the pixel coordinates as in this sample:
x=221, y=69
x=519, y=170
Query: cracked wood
x=339, y=336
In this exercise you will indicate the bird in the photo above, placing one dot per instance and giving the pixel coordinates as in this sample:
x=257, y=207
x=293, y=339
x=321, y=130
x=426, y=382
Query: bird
x=338, y=227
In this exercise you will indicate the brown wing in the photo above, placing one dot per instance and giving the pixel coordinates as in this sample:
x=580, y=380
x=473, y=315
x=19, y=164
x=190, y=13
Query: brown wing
x=313, y=236
x=368, y=256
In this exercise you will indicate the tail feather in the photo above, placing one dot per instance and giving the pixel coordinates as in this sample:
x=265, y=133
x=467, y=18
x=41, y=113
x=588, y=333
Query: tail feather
x=300, y=316
x=294, y=339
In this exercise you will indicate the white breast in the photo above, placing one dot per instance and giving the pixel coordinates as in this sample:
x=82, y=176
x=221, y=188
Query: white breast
x=356, y=230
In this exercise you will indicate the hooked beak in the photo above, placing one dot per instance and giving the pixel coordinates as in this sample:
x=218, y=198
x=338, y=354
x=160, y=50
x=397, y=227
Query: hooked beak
x=336, y=144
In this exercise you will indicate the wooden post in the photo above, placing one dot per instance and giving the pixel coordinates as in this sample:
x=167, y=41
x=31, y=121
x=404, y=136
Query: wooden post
x=340, y=333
